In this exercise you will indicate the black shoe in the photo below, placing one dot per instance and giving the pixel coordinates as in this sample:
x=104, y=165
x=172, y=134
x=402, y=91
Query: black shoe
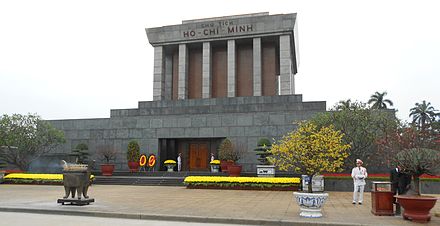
x=354, y=203
x=360, y=203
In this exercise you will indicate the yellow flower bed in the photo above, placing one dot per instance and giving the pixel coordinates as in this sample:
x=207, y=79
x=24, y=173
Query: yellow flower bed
x=36, y=176
x=251, y=180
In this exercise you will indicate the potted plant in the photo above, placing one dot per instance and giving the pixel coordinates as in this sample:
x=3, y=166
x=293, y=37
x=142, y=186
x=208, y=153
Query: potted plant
x=226, y=154
x=107, y=153
x=237, y=151
x=170, y=164
x=215, y=165
x=81, y=153
x=310, y=151
x=415, y=162
x=133, y=154
x=265, y=169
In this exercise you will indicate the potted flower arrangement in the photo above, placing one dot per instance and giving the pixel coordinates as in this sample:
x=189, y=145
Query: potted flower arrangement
x=133, y=154
x=215, y=165
x=415, y=162
x=311, y=151
x=170, y=164
x=226, y=154
x=237, y=150
x=107, y=153
x=229, y=154
x=412, y=148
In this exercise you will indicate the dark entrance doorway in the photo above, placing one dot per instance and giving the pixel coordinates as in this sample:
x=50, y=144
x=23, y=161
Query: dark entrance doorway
x=196, y=152
x=198, y=156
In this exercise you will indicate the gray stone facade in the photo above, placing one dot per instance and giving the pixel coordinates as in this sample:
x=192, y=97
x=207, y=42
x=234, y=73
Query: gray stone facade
x=242, y=119
x=230, y=29
x=160, y=125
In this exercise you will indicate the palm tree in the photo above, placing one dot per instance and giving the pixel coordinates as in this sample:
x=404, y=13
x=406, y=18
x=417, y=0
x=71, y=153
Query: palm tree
x=423, y=114
x=343, y=105
x=378, y=101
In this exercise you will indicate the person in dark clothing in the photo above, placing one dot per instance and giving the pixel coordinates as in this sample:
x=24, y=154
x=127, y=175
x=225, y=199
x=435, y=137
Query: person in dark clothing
x=400, y=183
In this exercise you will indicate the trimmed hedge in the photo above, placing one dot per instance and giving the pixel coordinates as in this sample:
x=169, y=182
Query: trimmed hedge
x=251, y=183
x=30, y=178
x=375, y=178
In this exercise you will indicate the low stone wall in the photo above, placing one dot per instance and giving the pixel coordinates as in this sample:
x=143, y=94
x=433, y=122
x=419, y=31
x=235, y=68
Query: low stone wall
x=428, y=187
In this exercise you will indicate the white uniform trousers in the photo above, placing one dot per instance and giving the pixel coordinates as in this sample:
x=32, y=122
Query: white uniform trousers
x=358, y=189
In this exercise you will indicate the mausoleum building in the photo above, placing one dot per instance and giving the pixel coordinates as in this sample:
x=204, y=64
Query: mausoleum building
x=215, y=78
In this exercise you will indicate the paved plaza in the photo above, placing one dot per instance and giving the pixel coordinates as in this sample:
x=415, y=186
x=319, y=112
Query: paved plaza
x=196, y=205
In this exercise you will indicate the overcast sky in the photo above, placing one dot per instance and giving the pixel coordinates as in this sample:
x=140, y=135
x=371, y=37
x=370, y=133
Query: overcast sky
x=79, y=59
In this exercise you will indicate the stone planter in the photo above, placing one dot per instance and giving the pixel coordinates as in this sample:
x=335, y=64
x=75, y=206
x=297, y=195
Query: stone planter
x=170, y=168
x=215, y=168
x=416, y=208
x=266, y=170
x=310, y=203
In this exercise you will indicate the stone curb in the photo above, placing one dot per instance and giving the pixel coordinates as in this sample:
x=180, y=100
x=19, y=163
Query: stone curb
x=186, y=218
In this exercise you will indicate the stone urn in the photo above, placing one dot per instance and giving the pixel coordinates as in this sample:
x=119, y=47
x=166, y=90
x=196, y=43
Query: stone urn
x=310, y=203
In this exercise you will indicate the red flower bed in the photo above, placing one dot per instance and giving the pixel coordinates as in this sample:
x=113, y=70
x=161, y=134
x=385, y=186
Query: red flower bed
x=372, y=175
x=13, y=171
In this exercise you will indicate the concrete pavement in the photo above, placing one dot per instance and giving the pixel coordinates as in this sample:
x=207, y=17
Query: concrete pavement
x=197, y=205
x=18, y=218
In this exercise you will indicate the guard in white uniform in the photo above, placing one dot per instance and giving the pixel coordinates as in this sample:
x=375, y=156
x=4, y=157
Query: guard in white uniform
x=179, y=162
x=359, y=174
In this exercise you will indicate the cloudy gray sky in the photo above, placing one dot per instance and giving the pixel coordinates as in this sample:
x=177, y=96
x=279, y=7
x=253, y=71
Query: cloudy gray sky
x=81, y=58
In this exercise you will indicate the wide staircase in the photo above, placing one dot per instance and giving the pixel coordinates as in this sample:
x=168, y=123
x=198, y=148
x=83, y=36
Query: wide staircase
x=160, y=178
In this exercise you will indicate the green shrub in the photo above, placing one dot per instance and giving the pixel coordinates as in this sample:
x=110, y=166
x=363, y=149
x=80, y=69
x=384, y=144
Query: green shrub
x=226, y=151
x=81, y=153
x=133, y=151
x=263, y=150
x=264, y=141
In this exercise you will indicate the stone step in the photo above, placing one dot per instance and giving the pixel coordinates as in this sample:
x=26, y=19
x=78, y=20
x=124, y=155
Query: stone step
x=163, y=173
x=134, y=180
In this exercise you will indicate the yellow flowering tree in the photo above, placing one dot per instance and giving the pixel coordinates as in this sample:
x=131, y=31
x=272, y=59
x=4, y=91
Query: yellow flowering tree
x=310, y=150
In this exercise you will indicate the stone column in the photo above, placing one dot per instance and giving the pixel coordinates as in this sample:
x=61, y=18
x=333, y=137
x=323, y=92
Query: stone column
x=183, y=72
x=231, y=68
x=206, y=70
x=257, y=66
x=158, y=84
x=286, y=75
x=168, y=76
